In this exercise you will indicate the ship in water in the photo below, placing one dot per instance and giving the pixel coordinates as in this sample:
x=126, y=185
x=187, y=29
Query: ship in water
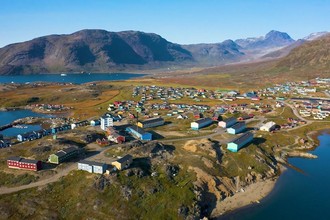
x=63, y=74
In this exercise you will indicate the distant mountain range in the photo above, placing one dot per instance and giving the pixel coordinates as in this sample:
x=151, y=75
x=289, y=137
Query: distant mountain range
x=103, y=51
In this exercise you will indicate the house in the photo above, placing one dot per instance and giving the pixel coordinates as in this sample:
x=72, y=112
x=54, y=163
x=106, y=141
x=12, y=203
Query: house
x=201, y=123
x=197, y=114
x=240, y=142
x=25, y=164
x=236, y=128
x=29, y=136
x=269, y=126
x=139, y=133
x=152, y=122
x=106, y=121
x=114, y=136
x=95, y=122
x=123, y=162
x=79, y=124
x=245, y=117
x=63, y=155
x=227, y=122
x=92, y=166
x=64, y=127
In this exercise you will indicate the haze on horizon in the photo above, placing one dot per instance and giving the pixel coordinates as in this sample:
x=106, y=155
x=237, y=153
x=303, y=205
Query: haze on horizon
x=183, y=22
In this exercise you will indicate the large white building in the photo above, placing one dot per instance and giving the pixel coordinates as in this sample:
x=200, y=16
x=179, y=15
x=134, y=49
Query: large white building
x=269, y=126
x=106, y=121
x=92, y=166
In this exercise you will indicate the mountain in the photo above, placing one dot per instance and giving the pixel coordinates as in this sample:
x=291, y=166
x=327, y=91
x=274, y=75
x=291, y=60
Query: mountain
x=272, y=39
x=315, y=35
x=313, y=55
x=90, y=50
x=218, y=53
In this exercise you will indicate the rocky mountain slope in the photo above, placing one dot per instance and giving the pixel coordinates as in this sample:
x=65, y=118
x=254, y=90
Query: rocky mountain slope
x=89, y=50
x=103, y=51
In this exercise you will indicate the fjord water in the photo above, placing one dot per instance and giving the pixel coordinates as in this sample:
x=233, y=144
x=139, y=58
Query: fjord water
x=297, y=195
x=7, y=117
x=69, y=78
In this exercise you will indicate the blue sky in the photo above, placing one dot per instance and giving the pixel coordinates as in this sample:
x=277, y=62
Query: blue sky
x=179, y=21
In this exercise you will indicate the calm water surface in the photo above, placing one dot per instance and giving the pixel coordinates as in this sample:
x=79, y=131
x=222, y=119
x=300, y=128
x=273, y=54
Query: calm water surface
x=69, y=78
x=10, y=116
x=297, y=195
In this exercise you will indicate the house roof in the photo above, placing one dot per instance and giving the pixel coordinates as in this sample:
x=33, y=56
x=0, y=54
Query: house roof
x=138, y=129
x=152, y=120
x=125, y=158
x=229, y=120
x=203, y=120
x=69, y=149
x=14, y=158
x=242, y=138
x=29, y=161
x=91, y=163
x=238, y=125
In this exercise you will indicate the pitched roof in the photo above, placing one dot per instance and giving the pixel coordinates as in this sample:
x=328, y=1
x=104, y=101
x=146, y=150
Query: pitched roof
x=138, y=129
x=203, y=120
x=229, y=119
x=152, y=120
x=14, y=158
x=91, y=163
x=125, y=158
x=238, y=125
x=242, y=138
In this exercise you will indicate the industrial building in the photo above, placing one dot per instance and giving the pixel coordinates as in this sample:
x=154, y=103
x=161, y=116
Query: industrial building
x=201, y=123
x=236, y=128
x=139, y=133
x=227, y=122
x=240, y=142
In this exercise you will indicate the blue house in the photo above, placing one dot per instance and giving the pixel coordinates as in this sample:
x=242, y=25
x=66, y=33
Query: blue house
x=236, y=128
x=240, y=142
x=139, y=133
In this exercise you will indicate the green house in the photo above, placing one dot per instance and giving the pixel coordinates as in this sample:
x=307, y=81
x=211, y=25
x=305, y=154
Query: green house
x=63, y=155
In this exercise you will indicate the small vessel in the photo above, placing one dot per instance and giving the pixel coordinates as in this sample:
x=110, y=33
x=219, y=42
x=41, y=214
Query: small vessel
x=63, y=74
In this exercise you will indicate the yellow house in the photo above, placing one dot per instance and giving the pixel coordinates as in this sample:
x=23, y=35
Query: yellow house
x=151, y=122
x=123, y=162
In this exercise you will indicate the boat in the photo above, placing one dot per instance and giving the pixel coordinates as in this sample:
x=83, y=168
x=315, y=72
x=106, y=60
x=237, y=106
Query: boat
x=63, y=74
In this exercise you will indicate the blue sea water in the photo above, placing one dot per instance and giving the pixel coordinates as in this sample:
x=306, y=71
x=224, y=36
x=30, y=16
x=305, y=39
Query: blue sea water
x=69, y=78
x=7, y=117
x=302, y=196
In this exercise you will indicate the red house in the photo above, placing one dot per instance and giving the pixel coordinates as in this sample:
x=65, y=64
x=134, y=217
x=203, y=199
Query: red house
x=25, y=164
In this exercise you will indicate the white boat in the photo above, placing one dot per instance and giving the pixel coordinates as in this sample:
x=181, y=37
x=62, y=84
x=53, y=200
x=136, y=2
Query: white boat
x=63, y=74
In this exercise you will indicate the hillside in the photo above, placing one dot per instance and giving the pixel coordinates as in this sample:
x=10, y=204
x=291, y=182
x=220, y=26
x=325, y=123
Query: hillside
x=311, y=55
x=89, y=50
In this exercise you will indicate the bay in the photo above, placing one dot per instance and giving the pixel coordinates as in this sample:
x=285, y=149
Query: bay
x=297, y=195
x=7, y=117
x=68, y=78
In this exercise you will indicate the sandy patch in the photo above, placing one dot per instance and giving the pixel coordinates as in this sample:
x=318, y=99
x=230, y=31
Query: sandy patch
x=251, y=194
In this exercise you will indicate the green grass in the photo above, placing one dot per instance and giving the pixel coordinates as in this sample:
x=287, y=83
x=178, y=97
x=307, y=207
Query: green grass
x=11, y=180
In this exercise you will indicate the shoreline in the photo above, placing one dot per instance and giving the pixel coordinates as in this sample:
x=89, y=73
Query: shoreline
x=254, y=193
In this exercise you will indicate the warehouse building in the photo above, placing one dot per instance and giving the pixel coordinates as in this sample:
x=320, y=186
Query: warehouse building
x=139, y=133
x=152, y=122
x=92, y=166
x=236, y=128
x=240, y=142
x=201, y=123
x=269, y=126
x=227, y=122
